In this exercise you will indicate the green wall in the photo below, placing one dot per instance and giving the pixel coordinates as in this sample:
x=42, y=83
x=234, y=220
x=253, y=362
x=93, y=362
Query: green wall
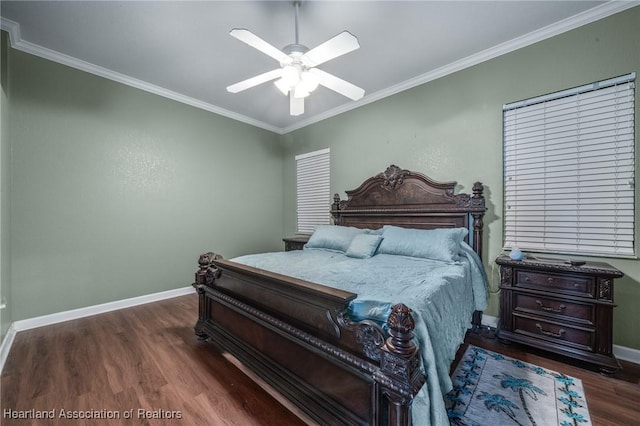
x=5, y=202
x=115, y=191
x=451, y=129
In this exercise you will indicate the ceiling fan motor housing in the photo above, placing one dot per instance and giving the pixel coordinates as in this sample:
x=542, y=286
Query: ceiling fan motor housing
x=295, y=48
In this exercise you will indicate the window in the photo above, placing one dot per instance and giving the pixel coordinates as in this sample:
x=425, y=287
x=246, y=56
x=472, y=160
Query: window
x=312, y=189
x=569, y=170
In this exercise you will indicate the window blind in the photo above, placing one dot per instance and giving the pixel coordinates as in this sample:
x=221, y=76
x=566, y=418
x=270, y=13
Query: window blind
x=569, y=170
x=312, y=188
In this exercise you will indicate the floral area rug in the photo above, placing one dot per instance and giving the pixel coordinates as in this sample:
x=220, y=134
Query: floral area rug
x=494, y=390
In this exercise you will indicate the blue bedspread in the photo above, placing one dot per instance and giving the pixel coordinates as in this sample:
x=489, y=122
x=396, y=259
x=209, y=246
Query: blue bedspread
x=442, y=295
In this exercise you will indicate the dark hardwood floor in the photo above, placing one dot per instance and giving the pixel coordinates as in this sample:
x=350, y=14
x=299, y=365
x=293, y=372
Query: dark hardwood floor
x=141, y=358
x=146, y=362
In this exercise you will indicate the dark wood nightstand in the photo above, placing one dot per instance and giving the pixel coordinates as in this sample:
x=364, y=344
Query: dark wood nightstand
x=559, y=307
x=296, y=242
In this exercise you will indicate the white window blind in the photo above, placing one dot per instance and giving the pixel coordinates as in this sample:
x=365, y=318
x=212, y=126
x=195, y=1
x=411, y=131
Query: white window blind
x=569, y=171
x=312, y=188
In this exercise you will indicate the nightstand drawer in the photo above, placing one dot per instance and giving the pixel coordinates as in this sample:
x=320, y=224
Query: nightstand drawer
x=569, y=336
x=556, y=308
x=575, y=284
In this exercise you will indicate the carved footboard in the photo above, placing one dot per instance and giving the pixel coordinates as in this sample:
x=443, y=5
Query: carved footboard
x=294, y=334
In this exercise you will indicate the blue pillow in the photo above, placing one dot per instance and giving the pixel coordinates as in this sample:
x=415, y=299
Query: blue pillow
x=333, y=237
x=437, y=244
x=364, y=245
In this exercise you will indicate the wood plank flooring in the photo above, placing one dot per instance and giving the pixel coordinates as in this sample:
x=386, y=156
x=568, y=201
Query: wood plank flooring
x=145, y=362
x=141, y=358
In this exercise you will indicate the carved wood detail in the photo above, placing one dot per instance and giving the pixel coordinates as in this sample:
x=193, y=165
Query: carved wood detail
x=560, y=265
x=369, y=335
x=207, y=271
x=405, y=198
x=393, y=176
x=506, y=275
x=604, y=289
x=401, y=360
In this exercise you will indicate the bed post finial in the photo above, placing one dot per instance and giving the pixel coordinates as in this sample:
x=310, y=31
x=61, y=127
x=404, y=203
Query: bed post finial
x=207, y=272
x=336, y=202
x=401, y=325
x=478, y=190
x=335, y=209
x=400, y=361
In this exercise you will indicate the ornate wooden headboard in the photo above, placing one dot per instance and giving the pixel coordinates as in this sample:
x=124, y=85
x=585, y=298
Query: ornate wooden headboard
x=409, y=199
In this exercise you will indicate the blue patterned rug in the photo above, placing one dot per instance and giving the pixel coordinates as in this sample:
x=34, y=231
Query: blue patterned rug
x=490, y=389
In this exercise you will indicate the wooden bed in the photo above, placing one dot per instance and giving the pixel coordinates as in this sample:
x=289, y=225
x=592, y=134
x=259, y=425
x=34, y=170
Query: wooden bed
x=295, y=334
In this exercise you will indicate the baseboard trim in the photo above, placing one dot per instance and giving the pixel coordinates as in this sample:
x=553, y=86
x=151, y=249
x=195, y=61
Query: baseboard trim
x=5, y=347
x=621, y=352
x=489, y=321
x=627, y=354
x=50, y=319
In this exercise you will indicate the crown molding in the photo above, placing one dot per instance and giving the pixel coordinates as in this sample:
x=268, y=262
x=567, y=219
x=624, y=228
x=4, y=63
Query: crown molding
x=595, y=14
x=599, y=12
x=13, y=28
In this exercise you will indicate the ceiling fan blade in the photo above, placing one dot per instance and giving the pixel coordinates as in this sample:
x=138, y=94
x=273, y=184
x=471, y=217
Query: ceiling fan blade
x=296, y=105
x=256, y=42
x=338, y=85
x=254, y=81
x=344, y=42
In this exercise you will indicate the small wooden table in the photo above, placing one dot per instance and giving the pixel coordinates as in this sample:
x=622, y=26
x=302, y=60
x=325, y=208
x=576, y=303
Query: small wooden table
x=296, y=242
x=560, y=307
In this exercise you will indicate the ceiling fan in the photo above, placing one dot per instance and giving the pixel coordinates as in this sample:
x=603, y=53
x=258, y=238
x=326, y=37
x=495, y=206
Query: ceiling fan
x=298, y=76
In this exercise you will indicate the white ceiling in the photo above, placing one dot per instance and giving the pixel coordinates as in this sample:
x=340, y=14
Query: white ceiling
x=183, y=50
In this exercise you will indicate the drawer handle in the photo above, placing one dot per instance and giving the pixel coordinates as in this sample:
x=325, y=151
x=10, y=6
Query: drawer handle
x=550, y=333
x=550, y=309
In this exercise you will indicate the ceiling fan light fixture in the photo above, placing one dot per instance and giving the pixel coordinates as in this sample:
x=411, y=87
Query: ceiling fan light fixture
x=290, y=75
x=300, y=92
x=283, y=86
x=309, y=81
